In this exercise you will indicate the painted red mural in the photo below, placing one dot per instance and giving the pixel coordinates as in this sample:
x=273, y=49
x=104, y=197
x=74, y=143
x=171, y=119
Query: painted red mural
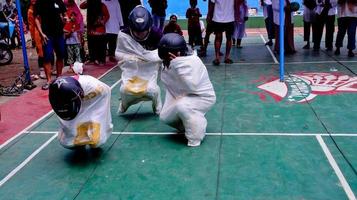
x=303, y=87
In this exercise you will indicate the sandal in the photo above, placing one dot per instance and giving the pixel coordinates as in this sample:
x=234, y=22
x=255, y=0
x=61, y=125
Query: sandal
x=215, y=62
x=46, y=86
x=228, y=61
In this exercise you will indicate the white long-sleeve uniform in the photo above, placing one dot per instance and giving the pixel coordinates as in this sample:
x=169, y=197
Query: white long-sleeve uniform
x=189, y=95
x=93, y=124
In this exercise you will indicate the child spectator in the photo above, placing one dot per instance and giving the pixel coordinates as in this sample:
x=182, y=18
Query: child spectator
x=241, y=16
x=97, y=17
x=172, y=26
x=193, y=15
x=73, y=41
x=36, y=37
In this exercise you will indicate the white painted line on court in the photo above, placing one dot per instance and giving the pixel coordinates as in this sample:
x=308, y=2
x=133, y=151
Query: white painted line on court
x=218, y=134
x=43, y=117
x=27, y=160
x=115, y=84
x=337, y=170
x=247, y=64
x=271, y=53
x=24, y=130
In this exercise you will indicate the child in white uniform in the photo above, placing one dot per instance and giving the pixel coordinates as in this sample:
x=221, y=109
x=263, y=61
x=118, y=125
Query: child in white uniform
x=189, y=92
x=82, y=104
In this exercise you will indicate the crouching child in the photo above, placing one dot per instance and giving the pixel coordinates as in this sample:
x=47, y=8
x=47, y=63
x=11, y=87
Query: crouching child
x=189, y=92
x=82, y=104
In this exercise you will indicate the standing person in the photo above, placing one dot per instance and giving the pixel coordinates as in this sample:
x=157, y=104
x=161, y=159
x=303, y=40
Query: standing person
x=241, y=16
x=82, y=104
x=139, y=62
x=36, y=38
x=73, y=42
x=189, y=92
x=289, y=46
x=309, y=19
x=49, y=18
x=126, y=7
x=97, y=17
x=158, y=11
x=268, y=19
x=209, y=28
x=325, y=15
x=71, y=7
x=112, y=27
x=223, y=18
x=347, y=22
x=172, y=26
x=193, y=15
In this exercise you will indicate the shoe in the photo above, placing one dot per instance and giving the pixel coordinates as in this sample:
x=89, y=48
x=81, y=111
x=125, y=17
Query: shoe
x=228, y=61
x=113, y=59
x=42, y=74
x=194, y=143
x=121, y=108
x=307, y=46
x=351, y=54
x=239, y=47
x=157, y=108
x=215, y=62
x=316, y=48
x=337, y=52
x=45, y=86
x=202, y=54
x=269, y=43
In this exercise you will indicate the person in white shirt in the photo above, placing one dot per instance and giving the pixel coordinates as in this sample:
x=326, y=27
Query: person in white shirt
x=325, y=15
x=347, y=22
x=82, y=104
x=189, y=91
x=112, y=27
x=308, y=18
x=289, y=46
x=268, y=19
x=223, y=17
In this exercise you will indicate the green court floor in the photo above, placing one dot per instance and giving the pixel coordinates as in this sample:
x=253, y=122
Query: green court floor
x=261, y=143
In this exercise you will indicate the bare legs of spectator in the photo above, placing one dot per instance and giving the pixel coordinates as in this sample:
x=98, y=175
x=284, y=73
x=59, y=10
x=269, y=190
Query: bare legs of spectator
x=217, y=47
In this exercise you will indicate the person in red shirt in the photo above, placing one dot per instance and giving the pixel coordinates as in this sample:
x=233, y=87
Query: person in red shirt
x=172, y=26
x=97, y=17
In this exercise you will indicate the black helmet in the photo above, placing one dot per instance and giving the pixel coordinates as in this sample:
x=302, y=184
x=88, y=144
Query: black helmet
x=140, y=19
x=65, y=95
x=172, y=42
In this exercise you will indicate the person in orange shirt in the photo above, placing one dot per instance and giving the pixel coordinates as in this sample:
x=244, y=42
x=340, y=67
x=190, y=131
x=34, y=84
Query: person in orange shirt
x=36, y=37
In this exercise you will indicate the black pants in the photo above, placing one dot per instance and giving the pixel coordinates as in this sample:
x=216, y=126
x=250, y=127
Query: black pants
x=346, y=24
x=319, y=24
x=97, y=47
x=307, y=31
x=269, y=22
x=195, y=36
x=112, y=43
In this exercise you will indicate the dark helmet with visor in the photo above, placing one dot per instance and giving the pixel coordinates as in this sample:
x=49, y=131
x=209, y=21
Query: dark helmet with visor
x=140, y=23
x=173, y=43
x=65, y=94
